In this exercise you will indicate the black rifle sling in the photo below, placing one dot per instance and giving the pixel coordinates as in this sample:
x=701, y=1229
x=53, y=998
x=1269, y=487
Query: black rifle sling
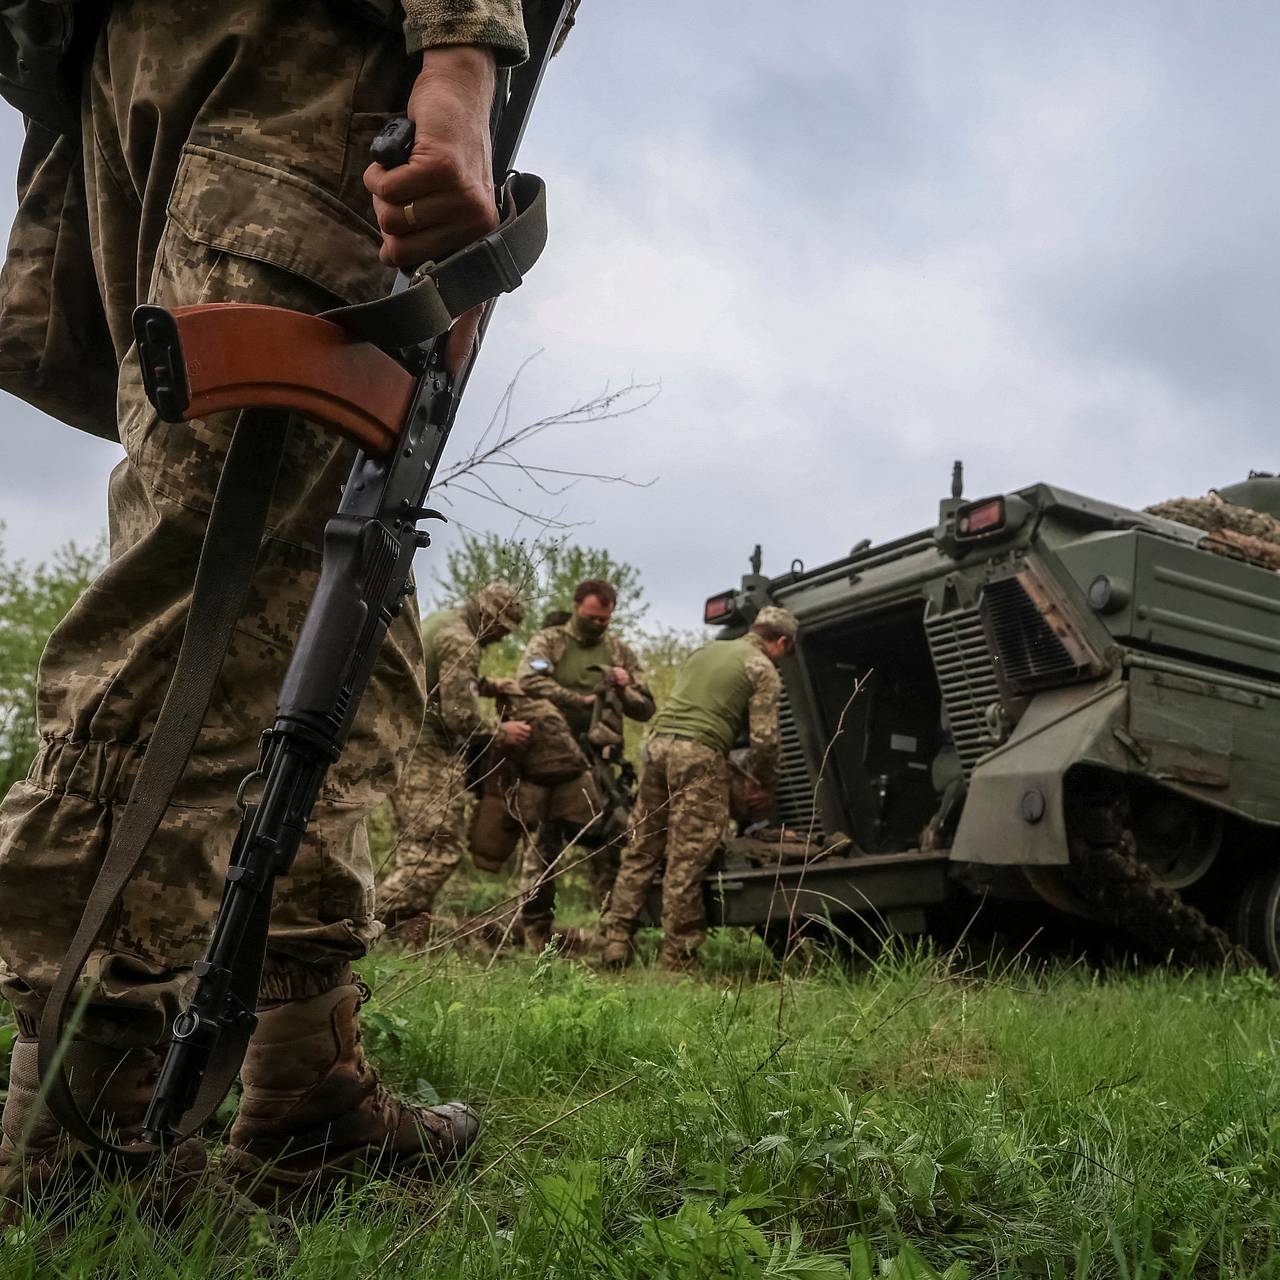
x=442, y=291
x=228, y=556
x=237, y=522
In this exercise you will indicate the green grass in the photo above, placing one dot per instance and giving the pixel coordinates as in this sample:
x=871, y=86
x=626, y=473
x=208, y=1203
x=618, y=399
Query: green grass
x=906, y=1118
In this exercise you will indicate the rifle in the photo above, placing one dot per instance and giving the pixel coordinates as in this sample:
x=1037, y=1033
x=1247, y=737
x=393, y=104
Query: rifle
x=613, y=773
x=268, y=362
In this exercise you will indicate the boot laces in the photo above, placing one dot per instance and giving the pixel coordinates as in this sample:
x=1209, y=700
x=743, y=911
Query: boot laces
x=382, y=1100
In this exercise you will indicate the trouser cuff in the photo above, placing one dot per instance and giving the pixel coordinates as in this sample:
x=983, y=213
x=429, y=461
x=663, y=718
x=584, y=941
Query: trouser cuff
x=293, y=980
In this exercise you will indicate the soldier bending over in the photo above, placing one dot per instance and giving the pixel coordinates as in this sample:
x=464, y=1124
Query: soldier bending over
x=726, y=687
x=430, y=804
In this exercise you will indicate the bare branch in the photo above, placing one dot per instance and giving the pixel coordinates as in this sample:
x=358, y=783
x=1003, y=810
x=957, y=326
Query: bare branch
x=497, y=448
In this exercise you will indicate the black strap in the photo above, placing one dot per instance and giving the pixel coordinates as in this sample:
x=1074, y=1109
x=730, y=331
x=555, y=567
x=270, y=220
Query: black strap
x=228, y=556
x=442, y=291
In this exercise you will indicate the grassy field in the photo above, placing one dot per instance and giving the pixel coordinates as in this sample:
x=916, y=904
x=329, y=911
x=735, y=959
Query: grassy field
x=906, y=1117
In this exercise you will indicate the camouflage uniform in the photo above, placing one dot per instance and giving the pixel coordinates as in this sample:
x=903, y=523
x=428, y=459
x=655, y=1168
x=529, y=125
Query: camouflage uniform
x=430, y=804
x=209, y=179
x=1233, y=529
x=683, y=804
x=558, y=666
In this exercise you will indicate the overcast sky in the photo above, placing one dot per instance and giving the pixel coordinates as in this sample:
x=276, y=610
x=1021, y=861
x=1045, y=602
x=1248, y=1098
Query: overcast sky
x=853, y=242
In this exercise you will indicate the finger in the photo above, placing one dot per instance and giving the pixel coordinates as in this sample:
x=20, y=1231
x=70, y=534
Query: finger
x=440, y=208
x=424, y=172
x=431, y=244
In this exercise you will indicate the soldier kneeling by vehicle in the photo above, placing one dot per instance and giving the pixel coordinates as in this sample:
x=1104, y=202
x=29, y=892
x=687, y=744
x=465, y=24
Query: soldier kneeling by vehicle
x=726, y=687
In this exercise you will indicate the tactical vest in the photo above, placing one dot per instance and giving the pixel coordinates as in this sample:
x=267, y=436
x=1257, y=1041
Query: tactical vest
x=711, y=696
x=551, y=755
x=574, y=670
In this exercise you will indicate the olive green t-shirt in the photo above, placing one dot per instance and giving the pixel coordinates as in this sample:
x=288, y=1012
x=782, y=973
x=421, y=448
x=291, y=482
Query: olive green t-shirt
x=712, y=701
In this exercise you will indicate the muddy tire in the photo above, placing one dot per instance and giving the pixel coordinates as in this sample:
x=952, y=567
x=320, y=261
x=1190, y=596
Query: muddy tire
x=1053, y=886
x=1255, y=921
x=1107, y=872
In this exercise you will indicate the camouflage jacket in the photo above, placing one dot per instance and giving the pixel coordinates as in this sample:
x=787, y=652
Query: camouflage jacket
x=454, y=714
x=549, y=648
x=763, y=732
x=427, y=23
x=42, y=42
x=497, y=23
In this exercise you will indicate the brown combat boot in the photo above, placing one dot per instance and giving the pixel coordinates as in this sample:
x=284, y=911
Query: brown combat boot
x=537, y=936
x=618, y=951
x=314, y=1113
x=43, y=1169
x=675, y=959
x=412, y=931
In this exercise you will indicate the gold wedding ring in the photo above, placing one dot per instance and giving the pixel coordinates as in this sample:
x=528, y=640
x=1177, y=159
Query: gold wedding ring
x=409, y=216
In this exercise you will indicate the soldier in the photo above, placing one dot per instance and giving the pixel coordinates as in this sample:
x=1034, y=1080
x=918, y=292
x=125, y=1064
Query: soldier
x=429, y=806
x=593, y=679
x=726, y=688
x=216, y=153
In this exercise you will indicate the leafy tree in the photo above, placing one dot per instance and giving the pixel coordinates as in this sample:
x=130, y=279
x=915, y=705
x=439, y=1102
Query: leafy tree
x=546, y=574
x=33, y=601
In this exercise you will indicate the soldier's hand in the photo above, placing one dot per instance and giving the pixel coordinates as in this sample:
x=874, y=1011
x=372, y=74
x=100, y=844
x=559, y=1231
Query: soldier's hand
x=442, y=199
x=620, y=676
x=514, y=733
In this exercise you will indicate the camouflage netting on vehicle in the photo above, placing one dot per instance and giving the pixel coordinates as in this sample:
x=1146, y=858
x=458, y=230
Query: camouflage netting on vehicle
x=1234, y=531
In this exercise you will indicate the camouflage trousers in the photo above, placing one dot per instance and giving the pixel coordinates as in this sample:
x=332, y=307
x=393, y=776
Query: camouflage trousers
x=602, y=873
x=208, y=179
x=430, y=812
x=681, y=811
x=567, y=822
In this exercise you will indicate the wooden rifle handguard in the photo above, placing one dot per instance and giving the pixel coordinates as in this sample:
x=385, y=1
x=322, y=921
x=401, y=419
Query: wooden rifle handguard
x=221, y=356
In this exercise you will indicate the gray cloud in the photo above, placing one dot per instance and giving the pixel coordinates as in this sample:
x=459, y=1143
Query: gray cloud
x=854, y=243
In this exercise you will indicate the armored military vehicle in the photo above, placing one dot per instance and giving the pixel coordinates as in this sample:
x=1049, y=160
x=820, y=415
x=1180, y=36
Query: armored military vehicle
x=1043, y=696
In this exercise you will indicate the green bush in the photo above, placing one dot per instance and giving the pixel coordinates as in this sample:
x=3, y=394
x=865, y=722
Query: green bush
x=33, y=600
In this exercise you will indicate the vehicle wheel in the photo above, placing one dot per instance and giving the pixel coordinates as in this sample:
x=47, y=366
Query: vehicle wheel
x=1178, y=839
x=1054, y=888
x=1108, y=871
x=1255, y=923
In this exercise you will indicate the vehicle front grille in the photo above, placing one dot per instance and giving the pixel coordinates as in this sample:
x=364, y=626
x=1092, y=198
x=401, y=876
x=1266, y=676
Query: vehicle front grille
x=967, y=680
x=1030, y=653
x=795, y=793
